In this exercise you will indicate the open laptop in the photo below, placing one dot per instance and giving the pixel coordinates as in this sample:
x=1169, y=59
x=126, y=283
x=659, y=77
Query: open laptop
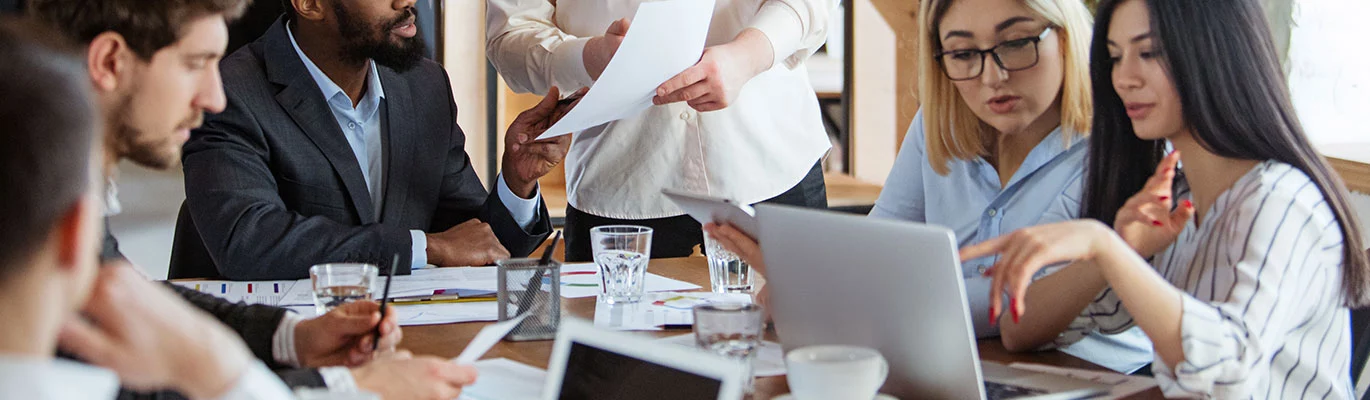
x=596, y=364
x=894, y=286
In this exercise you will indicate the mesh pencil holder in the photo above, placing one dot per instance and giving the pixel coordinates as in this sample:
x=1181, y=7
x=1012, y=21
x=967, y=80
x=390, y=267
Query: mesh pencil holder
x=526, y=286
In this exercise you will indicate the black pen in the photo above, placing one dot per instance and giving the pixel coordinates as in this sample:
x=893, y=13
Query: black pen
x=385, y=299
x=536, y=279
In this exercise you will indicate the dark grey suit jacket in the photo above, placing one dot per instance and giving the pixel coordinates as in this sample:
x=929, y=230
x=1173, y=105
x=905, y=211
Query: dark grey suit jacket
x=255, y=324
x=274, y=188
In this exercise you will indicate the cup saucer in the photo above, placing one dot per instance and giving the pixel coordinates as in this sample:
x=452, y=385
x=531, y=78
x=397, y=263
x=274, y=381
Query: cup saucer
x=879, y=396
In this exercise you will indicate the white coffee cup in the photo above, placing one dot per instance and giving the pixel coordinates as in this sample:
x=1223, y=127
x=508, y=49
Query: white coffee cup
x=835, y=372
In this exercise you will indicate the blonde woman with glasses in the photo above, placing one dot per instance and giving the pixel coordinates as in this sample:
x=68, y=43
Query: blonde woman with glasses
x=999, y=143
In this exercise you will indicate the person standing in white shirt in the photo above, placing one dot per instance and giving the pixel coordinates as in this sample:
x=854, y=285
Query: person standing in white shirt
x=54, y=292
x=743, y=123
x=1244, y=285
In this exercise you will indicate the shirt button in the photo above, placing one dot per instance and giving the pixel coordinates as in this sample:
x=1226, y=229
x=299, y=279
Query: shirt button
x=685, y=115
x=351, y=125
x=992, y=212
x=981, y=270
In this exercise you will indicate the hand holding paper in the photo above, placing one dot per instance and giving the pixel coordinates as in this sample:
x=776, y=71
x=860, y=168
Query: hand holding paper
x=666, y=38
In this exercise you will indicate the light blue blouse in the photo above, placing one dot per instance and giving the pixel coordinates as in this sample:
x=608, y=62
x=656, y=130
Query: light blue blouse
x=970, y=201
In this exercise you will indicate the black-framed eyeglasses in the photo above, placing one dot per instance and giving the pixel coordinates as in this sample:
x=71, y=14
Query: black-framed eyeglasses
x=1013, y=55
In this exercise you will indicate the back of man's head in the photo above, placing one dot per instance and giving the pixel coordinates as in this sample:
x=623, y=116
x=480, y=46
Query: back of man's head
x=147, y=26
x=48, y=122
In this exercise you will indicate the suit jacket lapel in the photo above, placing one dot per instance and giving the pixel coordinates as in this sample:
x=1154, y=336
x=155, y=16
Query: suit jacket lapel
x=401, y=141
x=303, y=101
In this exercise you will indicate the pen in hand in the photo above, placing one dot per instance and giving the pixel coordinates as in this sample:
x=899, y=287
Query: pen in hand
x=385, y=299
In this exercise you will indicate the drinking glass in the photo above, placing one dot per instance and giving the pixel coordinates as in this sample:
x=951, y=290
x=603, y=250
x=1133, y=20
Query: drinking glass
x=621, y=252
x=341, y=283
x=732, y=330
x=727, y=272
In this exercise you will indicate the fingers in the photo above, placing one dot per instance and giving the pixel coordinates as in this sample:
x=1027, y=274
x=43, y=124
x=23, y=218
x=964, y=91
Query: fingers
x=86, y=341
x=985, y=248
x=697, y=91
x=687, y=78
x=459, y=375
x=1182, y=214
x=619, y=27
x=1161, y=180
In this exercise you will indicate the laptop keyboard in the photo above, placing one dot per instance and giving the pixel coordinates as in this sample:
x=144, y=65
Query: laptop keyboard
x=997, y=391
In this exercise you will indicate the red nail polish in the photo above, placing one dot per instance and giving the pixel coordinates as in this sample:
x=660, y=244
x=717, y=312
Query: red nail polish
x=1156, y=223
x=1188, y=204
x=1164, y=198
x=993, y=316
x=1013, y=308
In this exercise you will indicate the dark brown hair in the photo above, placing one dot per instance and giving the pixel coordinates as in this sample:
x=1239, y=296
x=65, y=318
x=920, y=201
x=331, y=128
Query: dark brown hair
x=48, y=123
x=147, y=26
x=1221, y=57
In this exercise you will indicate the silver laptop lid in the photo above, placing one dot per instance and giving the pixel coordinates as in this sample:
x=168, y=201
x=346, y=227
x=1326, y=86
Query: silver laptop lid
x=891, y=285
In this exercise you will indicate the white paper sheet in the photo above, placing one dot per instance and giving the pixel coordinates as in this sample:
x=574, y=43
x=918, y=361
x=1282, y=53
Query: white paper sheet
x=656, y=309
x=770, y=360
x=420, y=282
x=582, y=280
x=1122, y=385
x=505, y=379
x=666, y=37
x=431, y=314
x=487, y=338
x=270, y=293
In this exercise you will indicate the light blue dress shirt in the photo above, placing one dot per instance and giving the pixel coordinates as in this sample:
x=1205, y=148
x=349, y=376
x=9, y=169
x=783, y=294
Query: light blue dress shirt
x=970, y=201
x=362, y=127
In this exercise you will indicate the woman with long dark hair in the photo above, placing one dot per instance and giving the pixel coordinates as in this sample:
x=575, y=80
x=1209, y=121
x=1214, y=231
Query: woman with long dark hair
x=1244, y=287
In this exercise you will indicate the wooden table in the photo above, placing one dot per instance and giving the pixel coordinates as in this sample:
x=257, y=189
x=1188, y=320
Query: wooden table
x=448, y=340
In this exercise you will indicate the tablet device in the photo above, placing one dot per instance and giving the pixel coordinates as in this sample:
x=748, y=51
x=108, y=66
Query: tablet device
x=706, y=209
x=589, y=363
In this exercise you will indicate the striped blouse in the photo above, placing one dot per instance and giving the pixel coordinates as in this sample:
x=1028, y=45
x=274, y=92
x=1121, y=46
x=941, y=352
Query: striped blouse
x=1262, y=313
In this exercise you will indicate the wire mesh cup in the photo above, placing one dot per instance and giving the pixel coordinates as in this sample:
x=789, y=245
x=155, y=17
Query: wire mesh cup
x=526, y=286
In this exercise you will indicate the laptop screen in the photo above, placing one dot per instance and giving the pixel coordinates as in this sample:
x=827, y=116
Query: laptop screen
x=597, y=374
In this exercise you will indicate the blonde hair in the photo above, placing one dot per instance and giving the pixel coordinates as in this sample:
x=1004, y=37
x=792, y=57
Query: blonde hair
x=951, y=129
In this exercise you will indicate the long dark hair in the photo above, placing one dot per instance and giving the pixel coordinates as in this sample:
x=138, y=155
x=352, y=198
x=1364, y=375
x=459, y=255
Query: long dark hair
x=1221, y=58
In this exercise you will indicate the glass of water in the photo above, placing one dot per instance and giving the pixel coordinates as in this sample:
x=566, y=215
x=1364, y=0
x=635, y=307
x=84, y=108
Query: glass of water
x=727, y=272
x=732, y=330
x=621, y=252
x=338, y=284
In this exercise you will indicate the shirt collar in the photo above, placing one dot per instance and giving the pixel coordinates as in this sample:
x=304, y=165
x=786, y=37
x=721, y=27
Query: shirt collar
x=374, y=91
x=1050, y=148
x=54, y=379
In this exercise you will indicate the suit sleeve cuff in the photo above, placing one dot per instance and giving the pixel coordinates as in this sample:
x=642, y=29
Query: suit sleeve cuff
x=338, y=379
x=568, y=61
x=283, y=342
x=524, y=211
x=419, y=249
x=782, y=27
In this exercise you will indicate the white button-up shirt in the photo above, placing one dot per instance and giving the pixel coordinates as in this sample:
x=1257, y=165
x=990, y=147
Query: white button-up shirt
x=767, y=139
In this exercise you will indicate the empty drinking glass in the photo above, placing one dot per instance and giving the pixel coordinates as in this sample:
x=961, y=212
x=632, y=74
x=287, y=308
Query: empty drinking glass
x=732, y=330
x=338, y=284
x=621, y=252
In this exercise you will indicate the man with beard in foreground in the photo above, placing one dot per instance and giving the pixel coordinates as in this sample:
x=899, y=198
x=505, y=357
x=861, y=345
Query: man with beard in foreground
x=339, y=143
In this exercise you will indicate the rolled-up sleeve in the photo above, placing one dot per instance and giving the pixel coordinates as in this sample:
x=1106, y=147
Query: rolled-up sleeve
x=528, y=49
x=795, y=28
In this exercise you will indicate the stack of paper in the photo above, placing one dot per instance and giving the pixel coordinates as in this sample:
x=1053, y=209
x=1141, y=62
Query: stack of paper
x=271, y=293
x=582, y=280
x=505, y=379
x=657, y=309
